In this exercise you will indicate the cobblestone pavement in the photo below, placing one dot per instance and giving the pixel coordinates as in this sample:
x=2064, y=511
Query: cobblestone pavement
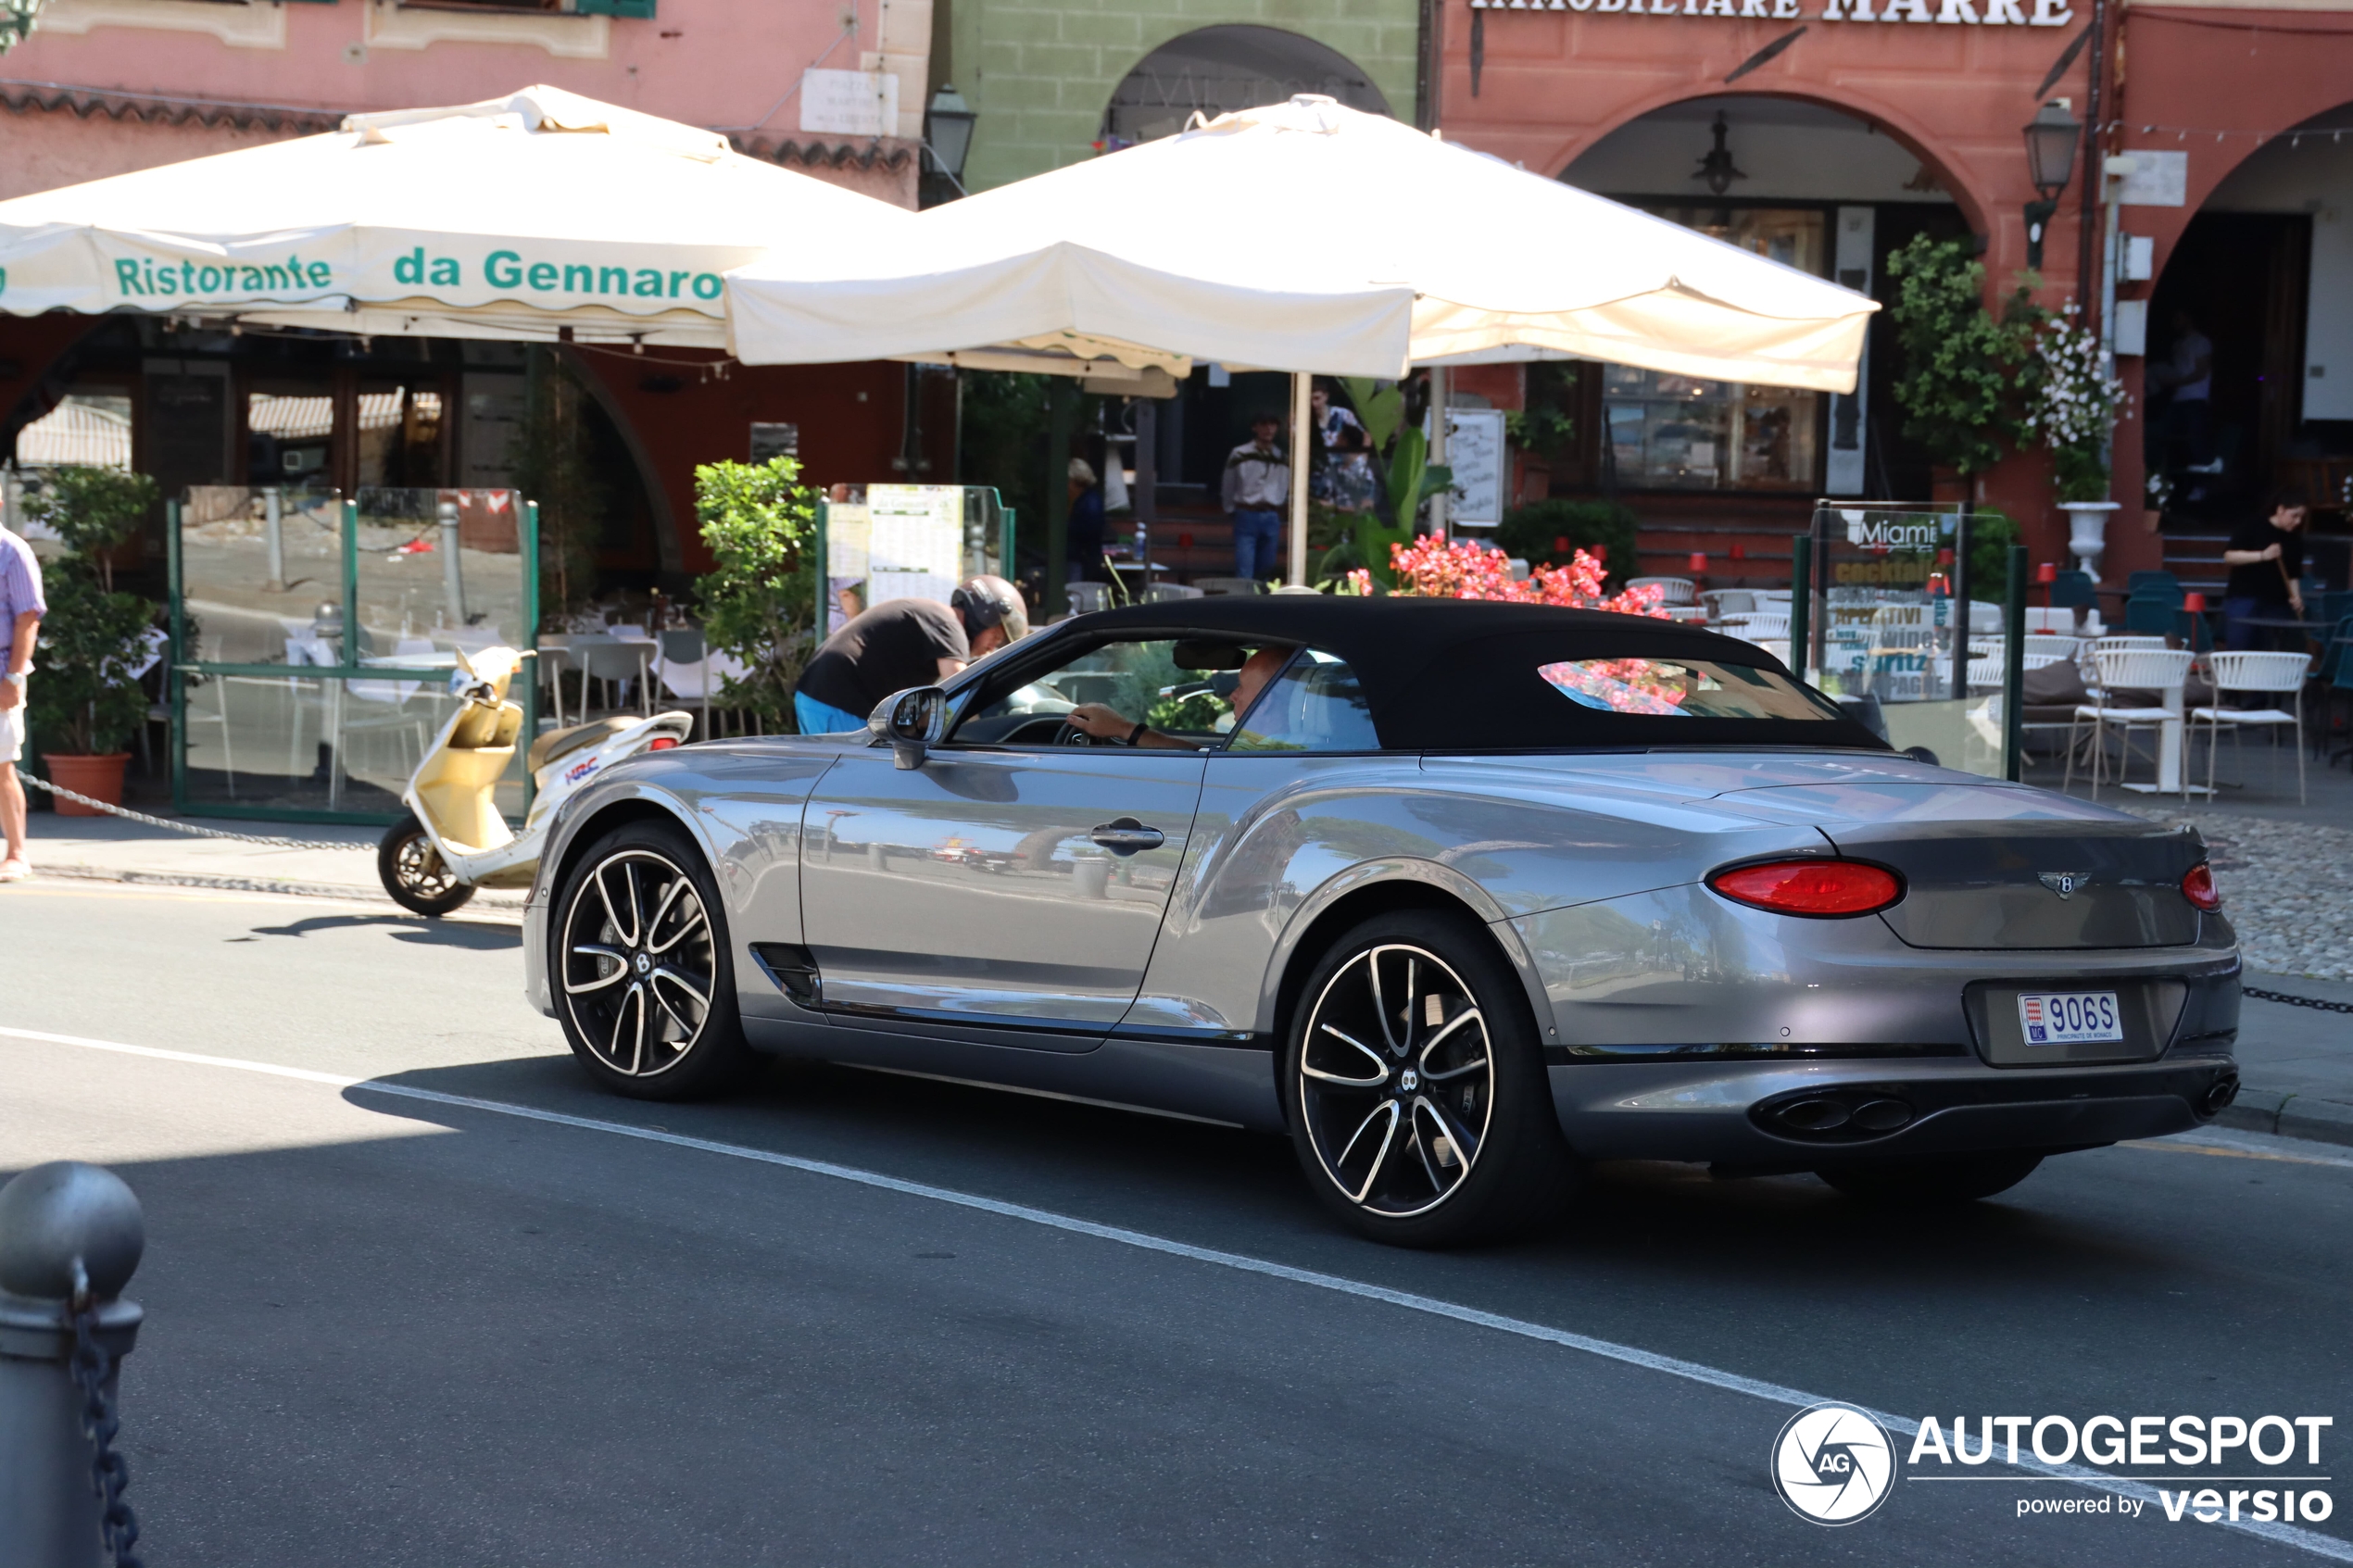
x=2287, y=886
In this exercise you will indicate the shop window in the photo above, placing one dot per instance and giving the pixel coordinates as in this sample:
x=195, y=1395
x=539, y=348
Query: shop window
x=400, y=435
x=1681, y=432
x=89, y=428
x=290, y=429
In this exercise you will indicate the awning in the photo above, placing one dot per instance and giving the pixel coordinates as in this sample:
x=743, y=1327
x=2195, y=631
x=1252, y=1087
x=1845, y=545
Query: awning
x=1304, y=236
x=538, y=216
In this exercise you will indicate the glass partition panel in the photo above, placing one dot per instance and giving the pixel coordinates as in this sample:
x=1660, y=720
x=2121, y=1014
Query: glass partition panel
x=1885, y=634
x=316, y=741
x=261, y=575
x=438, y=570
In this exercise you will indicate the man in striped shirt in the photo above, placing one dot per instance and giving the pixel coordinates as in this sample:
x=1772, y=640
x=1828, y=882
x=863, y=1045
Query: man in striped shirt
x=21, y=608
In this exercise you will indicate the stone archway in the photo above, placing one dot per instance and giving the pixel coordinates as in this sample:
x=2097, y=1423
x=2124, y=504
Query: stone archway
x=1214, y=70
x=1824, y=189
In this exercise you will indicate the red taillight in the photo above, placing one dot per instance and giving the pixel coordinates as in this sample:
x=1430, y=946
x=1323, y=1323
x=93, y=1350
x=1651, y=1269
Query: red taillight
x=2197, y=886
x=661, y=743
x=1810, y=887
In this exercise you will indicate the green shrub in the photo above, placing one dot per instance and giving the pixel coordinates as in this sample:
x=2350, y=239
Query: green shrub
x=1534, y=531
x=1960, y=368
x=758, y=606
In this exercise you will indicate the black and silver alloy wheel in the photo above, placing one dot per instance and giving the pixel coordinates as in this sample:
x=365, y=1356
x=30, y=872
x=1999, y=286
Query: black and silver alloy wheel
x=1396, y=1080
x=1416, y=1086
x=636, y=962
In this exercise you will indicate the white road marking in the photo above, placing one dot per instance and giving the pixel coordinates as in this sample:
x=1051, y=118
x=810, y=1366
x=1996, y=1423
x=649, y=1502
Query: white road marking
x=2329, y=1547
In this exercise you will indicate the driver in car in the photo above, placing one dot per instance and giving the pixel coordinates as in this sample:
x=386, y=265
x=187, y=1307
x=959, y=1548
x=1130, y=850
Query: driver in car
x=1105, y=724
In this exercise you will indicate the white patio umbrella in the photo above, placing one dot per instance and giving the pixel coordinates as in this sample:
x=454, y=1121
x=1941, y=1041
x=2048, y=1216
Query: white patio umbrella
x=1305, y=236
x=538, y=216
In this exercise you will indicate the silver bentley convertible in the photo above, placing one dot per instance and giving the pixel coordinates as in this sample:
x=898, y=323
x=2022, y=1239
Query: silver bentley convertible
x=1460, y=896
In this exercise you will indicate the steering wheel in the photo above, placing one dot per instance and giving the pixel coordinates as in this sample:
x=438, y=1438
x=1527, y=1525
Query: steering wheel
x=1071, y=735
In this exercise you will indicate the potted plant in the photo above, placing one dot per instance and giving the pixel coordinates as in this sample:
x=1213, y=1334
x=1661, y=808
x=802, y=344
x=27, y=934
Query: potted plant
x=87, y=701
x=2071, y=406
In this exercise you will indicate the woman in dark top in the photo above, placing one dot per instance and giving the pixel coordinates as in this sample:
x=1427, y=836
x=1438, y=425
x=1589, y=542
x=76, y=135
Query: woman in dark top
x=2266, y=559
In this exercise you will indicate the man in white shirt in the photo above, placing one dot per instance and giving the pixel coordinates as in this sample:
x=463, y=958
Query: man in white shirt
x=1257, y=487
x=21, y=608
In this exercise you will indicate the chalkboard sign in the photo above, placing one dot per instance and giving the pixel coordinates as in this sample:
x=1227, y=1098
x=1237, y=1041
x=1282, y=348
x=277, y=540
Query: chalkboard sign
x=1474, y=451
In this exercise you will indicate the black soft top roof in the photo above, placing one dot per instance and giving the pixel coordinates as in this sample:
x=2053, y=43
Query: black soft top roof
x=1461, y=674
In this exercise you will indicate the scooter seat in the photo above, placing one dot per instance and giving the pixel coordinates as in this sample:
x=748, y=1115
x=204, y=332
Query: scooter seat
x=579, y=738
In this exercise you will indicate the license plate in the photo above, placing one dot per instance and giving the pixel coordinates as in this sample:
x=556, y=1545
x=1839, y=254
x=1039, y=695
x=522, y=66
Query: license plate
x=2065, y=1018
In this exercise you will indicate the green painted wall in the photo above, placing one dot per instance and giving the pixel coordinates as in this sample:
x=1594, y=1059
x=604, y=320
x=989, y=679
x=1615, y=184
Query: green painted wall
x=1039, y=74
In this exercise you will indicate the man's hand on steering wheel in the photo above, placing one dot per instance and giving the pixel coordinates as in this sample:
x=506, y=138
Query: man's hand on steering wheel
x=1102, y=725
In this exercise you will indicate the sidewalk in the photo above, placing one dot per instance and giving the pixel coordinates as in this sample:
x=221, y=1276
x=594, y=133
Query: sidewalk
x=111, y=849
x=2296, y=1063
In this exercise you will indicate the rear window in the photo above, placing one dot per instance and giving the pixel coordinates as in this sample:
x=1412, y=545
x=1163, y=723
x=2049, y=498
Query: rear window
x=1665, y=688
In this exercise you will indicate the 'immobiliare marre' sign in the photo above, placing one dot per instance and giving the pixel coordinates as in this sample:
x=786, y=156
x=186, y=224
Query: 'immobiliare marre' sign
x=1949, y=13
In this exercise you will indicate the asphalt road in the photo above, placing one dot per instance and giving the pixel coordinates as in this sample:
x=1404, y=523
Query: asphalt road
x=391, y=1329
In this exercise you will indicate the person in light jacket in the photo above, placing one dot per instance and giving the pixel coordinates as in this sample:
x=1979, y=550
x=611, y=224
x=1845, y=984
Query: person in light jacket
x=1256, y=488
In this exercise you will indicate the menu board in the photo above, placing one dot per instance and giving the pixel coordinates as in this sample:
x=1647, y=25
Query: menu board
x=915, y=544
x=849, y=529
x=1474, y=451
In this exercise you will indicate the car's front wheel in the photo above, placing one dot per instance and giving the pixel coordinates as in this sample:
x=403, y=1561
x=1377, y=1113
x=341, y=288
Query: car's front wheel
x=1415, y=1087
x=643, y=979
x=1954, y=1178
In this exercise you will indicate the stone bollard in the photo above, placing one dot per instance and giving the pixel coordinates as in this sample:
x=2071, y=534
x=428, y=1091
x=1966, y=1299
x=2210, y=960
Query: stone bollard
x=70, y=1237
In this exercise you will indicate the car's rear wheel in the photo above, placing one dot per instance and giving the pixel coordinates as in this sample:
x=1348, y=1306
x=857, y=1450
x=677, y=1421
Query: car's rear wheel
x=644, y=983
x=1954, y=1178
x=1416, y=1088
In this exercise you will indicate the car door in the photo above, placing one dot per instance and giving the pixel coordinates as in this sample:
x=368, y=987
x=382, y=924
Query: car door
x=1009, y=882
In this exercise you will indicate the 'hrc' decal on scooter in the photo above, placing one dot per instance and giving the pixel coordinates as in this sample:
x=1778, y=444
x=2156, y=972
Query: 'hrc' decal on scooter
x=580, y=771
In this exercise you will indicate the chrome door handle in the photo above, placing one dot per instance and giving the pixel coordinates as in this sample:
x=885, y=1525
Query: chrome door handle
x=1125, y=836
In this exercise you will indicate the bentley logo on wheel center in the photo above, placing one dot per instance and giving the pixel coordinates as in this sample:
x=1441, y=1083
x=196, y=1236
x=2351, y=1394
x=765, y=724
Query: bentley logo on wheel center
x=1833, y=1464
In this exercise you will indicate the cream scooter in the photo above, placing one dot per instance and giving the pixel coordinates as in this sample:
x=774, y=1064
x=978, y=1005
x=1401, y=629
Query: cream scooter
x=454, y=839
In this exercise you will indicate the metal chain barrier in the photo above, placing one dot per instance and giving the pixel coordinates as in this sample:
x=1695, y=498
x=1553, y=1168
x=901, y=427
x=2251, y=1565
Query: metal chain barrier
x=2295, y=1001
x=128, y=814
x=91, y=1367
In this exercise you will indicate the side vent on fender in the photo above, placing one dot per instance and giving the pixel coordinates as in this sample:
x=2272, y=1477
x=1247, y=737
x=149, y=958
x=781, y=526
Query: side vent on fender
x=793, y=970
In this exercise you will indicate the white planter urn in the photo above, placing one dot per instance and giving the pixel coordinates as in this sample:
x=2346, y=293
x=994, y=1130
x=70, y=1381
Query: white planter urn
x=2087, y=533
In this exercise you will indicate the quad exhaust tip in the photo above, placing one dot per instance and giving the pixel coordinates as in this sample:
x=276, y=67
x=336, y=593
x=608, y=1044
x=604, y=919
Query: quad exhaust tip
x=1838, y=1118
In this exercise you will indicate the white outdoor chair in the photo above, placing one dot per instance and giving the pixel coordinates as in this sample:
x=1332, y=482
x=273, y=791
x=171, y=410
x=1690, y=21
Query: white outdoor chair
x=1722, y=602
x=2133, y=669
x=1671, y=589
x=1693, y=614
x=1757, y=624
x=1777, y=646
x=685, y=672
x=2044, y=642
x=2271, y=675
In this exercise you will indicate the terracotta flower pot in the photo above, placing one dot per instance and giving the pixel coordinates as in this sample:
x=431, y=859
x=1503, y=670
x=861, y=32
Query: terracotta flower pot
x=100, y=778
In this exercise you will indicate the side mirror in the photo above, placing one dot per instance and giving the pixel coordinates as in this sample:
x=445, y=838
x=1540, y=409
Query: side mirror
x=912, y=721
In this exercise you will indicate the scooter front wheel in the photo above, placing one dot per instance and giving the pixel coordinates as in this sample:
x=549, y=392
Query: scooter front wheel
x=414, y=873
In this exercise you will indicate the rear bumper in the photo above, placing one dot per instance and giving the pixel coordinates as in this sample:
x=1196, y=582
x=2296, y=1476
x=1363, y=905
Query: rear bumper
x=1730, y=1111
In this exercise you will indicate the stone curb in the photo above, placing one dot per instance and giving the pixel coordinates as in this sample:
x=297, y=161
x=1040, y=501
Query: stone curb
x=487, y=899
x=2290, y=1116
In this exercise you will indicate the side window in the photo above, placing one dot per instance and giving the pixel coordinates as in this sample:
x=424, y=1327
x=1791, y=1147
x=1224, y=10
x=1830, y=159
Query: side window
x=1315, y=706
x=1178, y=688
